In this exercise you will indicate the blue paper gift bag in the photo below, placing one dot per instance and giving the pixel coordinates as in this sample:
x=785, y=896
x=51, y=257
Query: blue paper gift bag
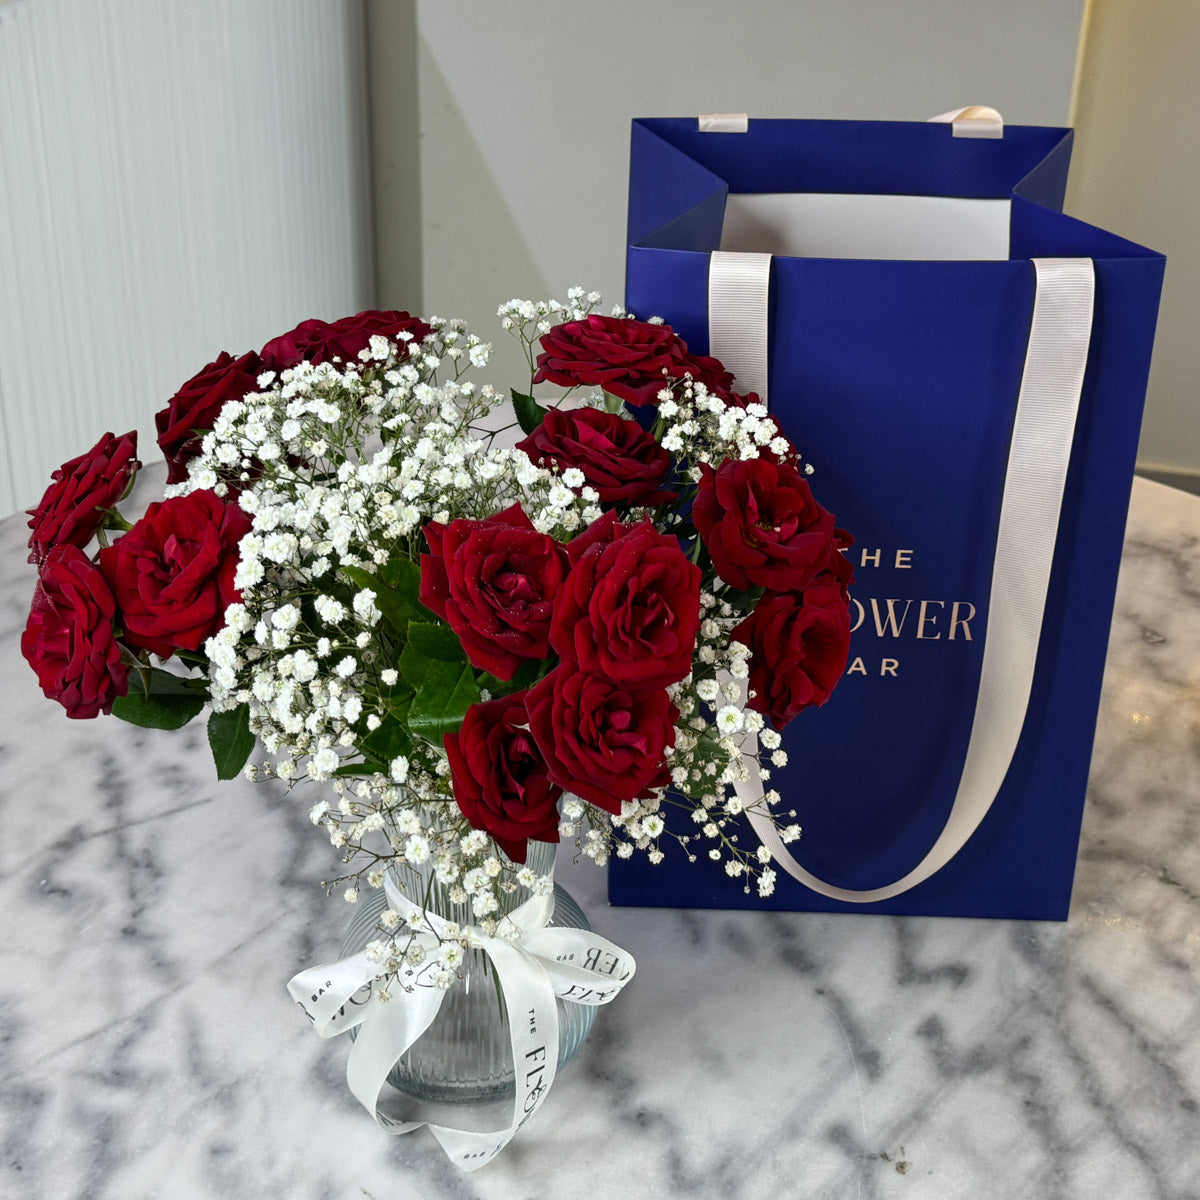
x=899, y=339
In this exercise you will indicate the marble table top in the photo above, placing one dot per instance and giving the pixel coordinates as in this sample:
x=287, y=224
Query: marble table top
x=148, y=1048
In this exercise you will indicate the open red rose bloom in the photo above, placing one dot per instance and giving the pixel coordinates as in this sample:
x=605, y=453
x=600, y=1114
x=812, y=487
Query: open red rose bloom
x=634, y=360
x=172, y=573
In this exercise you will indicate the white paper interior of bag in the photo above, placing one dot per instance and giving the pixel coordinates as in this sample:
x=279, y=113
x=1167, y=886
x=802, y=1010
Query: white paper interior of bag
x=827, y=225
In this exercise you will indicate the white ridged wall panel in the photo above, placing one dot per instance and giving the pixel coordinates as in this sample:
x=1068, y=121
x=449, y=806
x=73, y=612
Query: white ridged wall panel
x=176, y=179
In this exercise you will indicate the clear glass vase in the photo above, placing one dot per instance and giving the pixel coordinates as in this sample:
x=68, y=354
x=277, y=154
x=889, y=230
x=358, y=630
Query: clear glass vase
x=465, y=1056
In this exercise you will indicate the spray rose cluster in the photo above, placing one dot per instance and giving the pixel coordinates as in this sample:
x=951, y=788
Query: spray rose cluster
x=468, y=645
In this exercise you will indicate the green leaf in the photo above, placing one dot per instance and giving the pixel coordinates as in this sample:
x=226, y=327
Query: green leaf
x=231, y=741
x=399, y=602
x=526, y=675
x=433, y=650
x=361, y=768
x=164, y=683
x=403, y=575
x=158, y=710
x=441, y=704
x=389, y=741
x=530, y=414
x=429, y=671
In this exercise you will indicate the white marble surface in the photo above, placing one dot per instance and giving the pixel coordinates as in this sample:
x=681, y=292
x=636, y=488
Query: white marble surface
x=152, y=917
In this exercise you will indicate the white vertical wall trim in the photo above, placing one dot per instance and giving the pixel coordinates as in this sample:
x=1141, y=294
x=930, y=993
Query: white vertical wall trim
x=176, y=179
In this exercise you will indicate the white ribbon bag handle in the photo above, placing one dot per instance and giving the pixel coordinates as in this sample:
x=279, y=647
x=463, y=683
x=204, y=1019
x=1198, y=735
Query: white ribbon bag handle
x=1043, y=431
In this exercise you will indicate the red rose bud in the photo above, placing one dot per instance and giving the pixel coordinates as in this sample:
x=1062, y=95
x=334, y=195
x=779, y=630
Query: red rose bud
x=172, y=573
x=617, y=456
x=320, y=341
x=69, y=639
x=500, y=778
x=799, y=645
x=193, y=410
x=603, y=743
x=494, y=582
x=761, y=524
x=631, y=359
x=73, y=506
x=630, y=608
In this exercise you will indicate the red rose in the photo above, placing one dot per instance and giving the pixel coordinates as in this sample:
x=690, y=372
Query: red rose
x=69, y=639
x=617, y=456
x=500, y=778
x=625, y=357
x=172, y=573
x=193, y=410
x=493, y=582
x=630, y=608
x=605, y=744
x=761, y=524
x=799, y=645
x=321, y=341
x=73, y=507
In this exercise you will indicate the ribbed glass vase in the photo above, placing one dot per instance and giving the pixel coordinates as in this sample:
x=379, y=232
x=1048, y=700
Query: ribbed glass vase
x=465, y=1056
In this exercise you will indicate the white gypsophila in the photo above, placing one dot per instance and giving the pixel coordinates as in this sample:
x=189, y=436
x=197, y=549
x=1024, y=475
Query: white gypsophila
x=729, y=719
x=475, y=842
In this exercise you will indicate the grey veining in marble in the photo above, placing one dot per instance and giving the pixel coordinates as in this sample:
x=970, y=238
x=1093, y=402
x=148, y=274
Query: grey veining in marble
x=148, y=1048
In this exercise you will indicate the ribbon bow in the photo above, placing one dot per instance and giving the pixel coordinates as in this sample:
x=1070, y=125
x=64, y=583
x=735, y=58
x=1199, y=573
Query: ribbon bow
x=532, y=968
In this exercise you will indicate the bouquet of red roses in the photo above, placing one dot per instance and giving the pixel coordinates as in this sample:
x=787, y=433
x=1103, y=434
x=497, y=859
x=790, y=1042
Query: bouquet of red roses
x=468, y=644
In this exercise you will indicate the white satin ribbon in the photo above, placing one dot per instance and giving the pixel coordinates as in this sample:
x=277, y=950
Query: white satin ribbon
x=738, y=291
x=532, y=968
x=1043, y=432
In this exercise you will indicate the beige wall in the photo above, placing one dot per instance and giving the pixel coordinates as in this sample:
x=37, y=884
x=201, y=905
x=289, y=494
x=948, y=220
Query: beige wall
x=524, y=109
x=1136, y=171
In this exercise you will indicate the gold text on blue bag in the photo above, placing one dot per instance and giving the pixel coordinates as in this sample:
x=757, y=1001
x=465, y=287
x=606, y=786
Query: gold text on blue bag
x=892, y=618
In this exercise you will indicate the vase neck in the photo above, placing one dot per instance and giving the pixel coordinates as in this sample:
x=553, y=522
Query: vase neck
x=420, y=884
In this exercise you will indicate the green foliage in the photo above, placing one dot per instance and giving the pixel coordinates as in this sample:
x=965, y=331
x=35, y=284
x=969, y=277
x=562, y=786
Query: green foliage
x=389, y=741
x=441, y=703
x=397, y=591
x=431, y=651
x=530, y=414
x=231, y=741
x=526, y=675
x=158, y=710
x=164, y=683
